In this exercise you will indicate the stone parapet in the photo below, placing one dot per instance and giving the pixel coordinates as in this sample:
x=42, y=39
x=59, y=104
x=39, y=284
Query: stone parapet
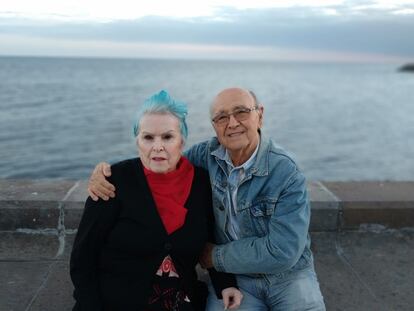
x=56, y=206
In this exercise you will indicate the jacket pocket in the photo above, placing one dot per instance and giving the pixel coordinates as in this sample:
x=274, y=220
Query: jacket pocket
x=261, y=211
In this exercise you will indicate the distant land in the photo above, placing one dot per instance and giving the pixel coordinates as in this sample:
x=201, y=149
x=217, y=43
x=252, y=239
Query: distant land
x=407, y=67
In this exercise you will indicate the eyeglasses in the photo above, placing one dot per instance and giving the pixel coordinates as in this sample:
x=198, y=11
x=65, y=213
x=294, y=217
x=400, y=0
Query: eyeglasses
x=240, y=114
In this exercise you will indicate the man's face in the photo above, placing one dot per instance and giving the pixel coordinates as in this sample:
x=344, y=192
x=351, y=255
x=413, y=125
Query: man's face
x=237, y=136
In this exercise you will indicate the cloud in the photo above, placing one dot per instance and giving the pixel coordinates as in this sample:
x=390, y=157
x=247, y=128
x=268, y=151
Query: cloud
x=377, y=28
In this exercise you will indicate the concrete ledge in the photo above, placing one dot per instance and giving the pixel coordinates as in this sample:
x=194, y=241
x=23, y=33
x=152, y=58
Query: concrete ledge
x=390, y=204
x=57, y=206
x=325, y=208
x=73, y=205
x=31, y=204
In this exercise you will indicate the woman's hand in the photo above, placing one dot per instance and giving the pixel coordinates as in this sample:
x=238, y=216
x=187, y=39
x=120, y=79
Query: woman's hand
x=206, y=257
x=98, y=186
x=232, y=298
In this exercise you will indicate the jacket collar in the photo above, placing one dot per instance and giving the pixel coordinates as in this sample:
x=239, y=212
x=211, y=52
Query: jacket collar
x=260, y=166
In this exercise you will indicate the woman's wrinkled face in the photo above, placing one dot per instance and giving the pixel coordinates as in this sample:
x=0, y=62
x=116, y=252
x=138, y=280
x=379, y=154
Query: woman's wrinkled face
x=159, y=142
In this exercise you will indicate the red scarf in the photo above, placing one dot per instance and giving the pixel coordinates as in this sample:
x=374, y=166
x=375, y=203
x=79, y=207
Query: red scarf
x=170, y=191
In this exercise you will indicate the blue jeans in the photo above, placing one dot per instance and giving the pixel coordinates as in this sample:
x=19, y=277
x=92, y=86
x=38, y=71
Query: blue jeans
x=296, y=291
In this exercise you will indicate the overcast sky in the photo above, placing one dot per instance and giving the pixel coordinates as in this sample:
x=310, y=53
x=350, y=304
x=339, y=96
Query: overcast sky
x=333, y=30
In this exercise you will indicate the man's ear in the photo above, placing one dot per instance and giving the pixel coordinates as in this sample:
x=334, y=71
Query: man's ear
x=260, y=110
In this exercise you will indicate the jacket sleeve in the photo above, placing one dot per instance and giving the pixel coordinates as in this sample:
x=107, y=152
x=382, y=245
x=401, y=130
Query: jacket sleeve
x=197, y=154
x=285, y=241
x=220, y=280
x=97, y=219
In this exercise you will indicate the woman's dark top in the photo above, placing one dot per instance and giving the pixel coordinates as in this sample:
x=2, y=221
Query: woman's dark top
x=122, y=242
x=167, y=293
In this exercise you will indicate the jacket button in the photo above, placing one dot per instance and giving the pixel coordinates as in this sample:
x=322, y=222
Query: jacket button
x=221, y=208
x=168, y=246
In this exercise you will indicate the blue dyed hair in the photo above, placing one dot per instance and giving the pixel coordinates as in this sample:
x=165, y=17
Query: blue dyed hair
x=163, y=103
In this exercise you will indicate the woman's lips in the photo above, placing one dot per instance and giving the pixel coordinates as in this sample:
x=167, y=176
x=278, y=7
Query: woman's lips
x=158, y=159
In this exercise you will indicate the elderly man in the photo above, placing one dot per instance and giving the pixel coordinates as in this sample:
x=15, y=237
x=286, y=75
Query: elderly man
x=261, y=209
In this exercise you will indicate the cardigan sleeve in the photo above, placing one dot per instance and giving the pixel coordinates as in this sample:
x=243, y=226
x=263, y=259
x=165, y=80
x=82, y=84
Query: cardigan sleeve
x=97, y=220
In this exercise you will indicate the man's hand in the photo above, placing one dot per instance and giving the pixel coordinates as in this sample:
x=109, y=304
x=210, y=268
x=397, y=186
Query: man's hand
x=232, y=298
x=98, y=186
x=206, y=257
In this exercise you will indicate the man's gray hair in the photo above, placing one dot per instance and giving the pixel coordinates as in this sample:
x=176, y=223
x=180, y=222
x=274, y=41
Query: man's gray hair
x=256, y=102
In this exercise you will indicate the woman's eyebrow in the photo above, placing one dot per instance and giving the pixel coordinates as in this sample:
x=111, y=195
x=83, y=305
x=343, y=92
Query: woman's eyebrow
x=163, y=133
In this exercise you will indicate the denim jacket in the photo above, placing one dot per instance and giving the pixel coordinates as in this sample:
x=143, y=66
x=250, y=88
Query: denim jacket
x=272, y=207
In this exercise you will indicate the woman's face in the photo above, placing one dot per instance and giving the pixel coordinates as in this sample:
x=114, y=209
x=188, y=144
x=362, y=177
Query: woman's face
x=159, y=142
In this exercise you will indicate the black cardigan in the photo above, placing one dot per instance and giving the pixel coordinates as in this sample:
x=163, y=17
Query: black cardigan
x=121, y=243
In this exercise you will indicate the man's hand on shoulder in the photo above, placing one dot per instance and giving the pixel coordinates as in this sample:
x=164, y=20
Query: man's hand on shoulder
x=98, y=186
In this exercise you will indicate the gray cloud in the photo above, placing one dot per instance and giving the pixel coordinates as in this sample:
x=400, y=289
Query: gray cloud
x=369, y=30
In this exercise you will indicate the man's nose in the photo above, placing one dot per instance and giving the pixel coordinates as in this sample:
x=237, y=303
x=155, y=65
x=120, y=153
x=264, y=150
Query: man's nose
x=233, y=121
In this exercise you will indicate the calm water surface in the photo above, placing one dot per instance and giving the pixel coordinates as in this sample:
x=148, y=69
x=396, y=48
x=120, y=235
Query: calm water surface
x=59, y=117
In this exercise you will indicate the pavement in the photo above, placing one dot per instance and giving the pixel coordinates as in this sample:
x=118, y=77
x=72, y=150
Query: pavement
x=362, y=240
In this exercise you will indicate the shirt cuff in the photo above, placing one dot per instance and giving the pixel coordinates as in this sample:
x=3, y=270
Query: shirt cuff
x=218, y=258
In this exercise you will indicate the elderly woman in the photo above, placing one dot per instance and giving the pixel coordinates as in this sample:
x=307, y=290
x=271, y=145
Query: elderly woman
x=138, y=251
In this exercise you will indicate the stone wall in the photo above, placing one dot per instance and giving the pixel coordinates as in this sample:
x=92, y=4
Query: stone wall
x=56, y=207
